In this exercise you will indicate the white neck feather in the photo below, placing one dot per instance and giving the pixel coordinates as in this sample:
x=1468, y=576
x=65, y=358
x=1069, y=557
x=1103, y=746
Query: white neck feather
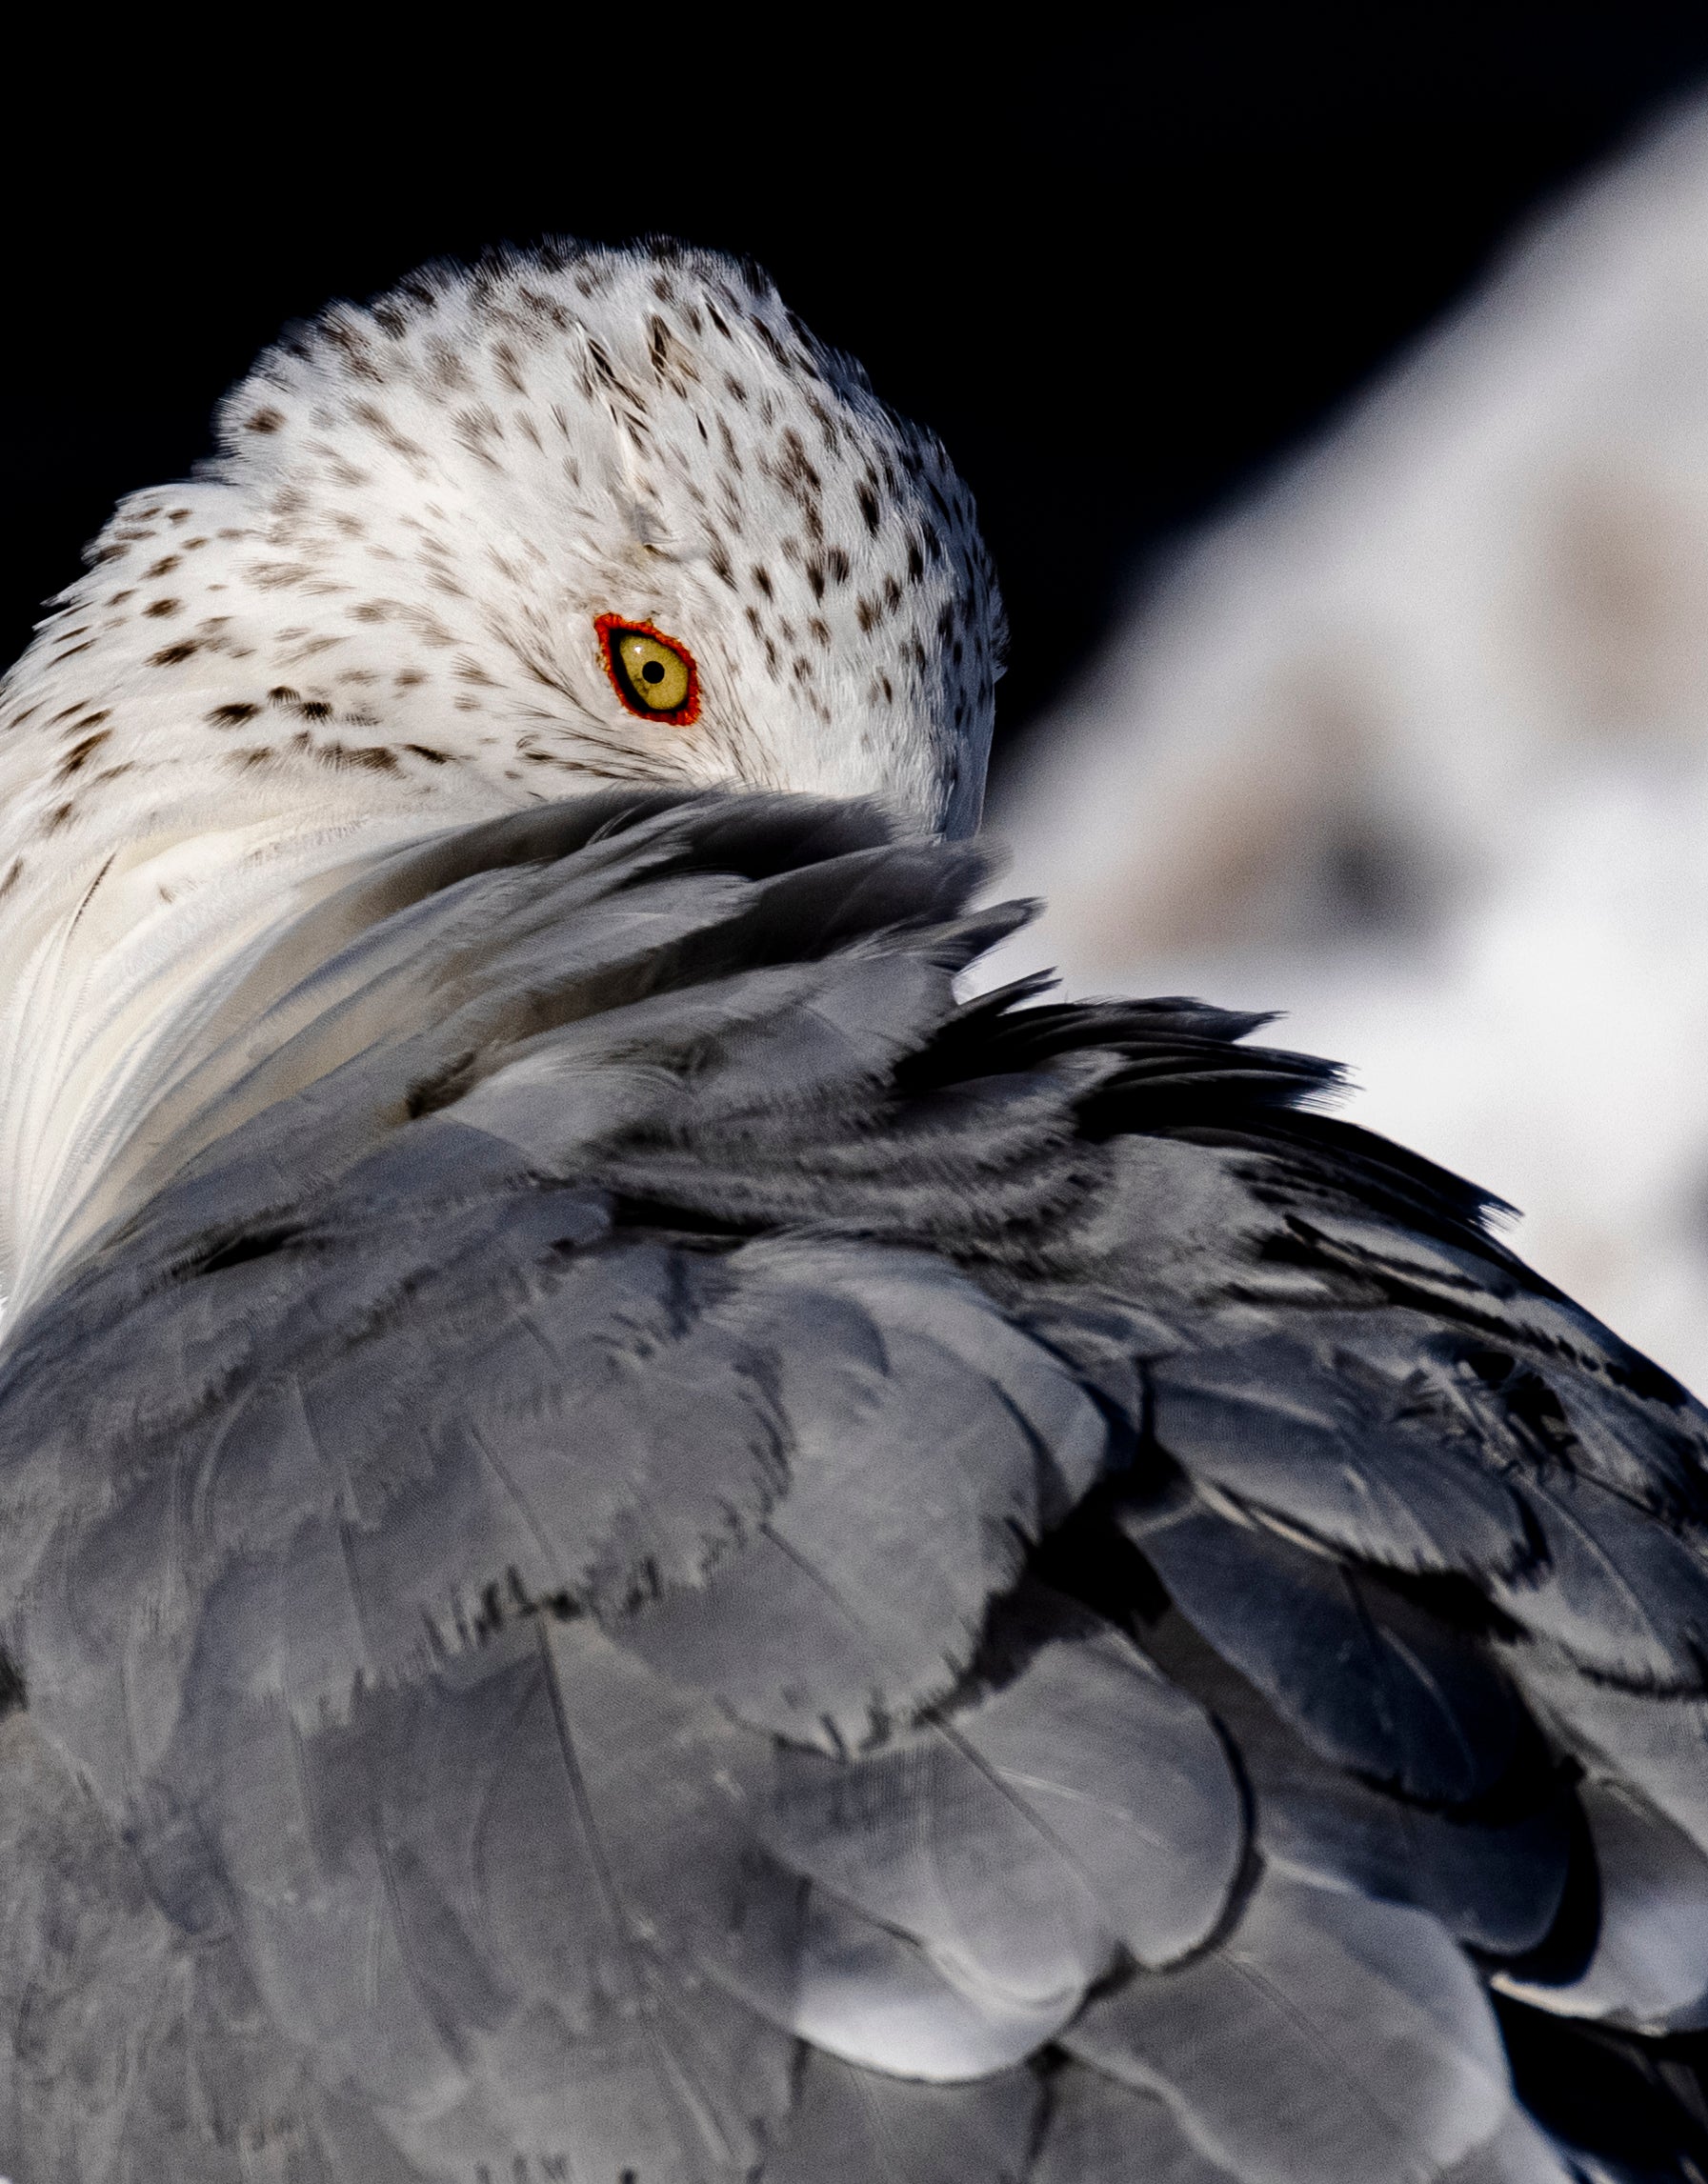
x=112, y=969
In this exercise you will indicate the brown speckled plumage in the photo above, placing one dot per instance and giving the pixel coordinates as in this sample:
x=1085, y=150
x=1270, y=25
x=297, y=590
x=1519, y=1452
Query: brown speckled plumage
x=420, y=507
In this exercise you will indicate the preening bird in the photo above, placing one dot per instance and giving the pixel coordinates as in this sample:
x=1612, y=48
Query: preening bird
x=637, y=1544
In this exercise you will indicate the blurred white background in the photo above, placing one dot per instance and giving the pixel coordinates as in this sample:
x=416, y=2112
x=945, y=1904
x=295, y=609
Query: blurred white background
x=1414, y=748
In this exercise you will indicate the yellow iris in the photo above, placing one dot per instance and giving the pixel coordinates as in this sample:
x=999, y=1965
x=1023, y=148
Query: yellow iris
x=655, y=673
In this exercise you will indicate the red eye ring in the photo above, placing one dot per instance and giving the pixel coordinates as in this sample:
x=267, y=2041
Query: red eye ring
x=613, y=627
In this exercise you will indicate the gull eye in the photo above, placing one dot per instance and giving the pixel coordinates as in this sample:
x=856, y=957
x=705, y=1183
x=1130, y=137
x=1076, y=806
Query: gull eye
x=653, y=674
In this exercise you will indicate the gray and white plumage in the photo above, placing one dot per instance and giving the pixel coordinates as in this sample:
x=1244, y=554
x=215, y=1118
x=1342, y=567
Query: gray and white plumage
x=633, y=1544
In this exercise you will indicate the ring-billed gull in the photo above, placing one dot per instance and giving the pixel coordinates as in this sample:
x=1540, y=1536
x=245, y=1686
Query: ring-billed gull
x=636, y=1545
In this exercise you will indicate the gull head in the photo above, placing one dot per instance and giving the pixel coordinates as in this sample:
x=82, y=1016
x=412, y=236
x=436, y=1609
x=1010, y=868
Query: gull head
x=564, y=521
x=571, y=518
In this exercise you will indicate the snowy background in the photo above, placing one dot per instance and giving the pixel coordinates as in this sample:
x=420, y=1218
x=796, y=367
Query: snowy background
x=1414, y=745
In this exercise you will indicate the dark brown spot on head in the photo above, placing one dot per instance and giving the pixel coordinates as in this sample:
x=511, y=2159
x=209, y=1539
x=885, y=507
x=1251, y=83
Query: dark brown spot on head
x=369, y=757
x=162, y=607
x=79, y=754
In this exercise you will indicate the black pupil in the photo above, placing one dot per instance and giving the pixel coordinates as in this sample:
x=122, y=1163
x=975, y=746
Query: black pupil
x=653, y=671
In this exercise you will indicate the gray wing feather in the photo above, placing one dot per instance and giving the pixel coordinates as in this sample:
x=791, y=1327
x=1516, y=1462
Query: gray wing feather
x=86, y=1963
x=857, y=2127
x=1032, y=1835
x=1517, y=2153
x=1369, y=1680
x=1622, y=1594
x=1655, y=1742
x=1284, y=1423
x=1102, y=2131
x=1327, y=2038
x=929, y=1442
x=1649, y=1966
x=1497, y=1880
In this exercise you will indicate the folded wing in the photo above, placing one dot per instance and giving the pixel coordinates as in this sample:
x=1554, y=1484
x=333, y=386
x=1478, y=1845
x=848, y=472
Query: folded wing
x=649, y=1548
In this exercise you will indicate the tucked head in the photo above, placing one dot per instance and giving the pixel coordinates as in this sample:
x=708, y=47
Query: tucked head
x=572, y=518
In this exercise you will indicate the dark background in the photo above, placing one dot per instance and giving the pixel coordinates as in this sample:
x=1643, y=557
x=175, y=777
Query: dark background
x=1119, y=268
